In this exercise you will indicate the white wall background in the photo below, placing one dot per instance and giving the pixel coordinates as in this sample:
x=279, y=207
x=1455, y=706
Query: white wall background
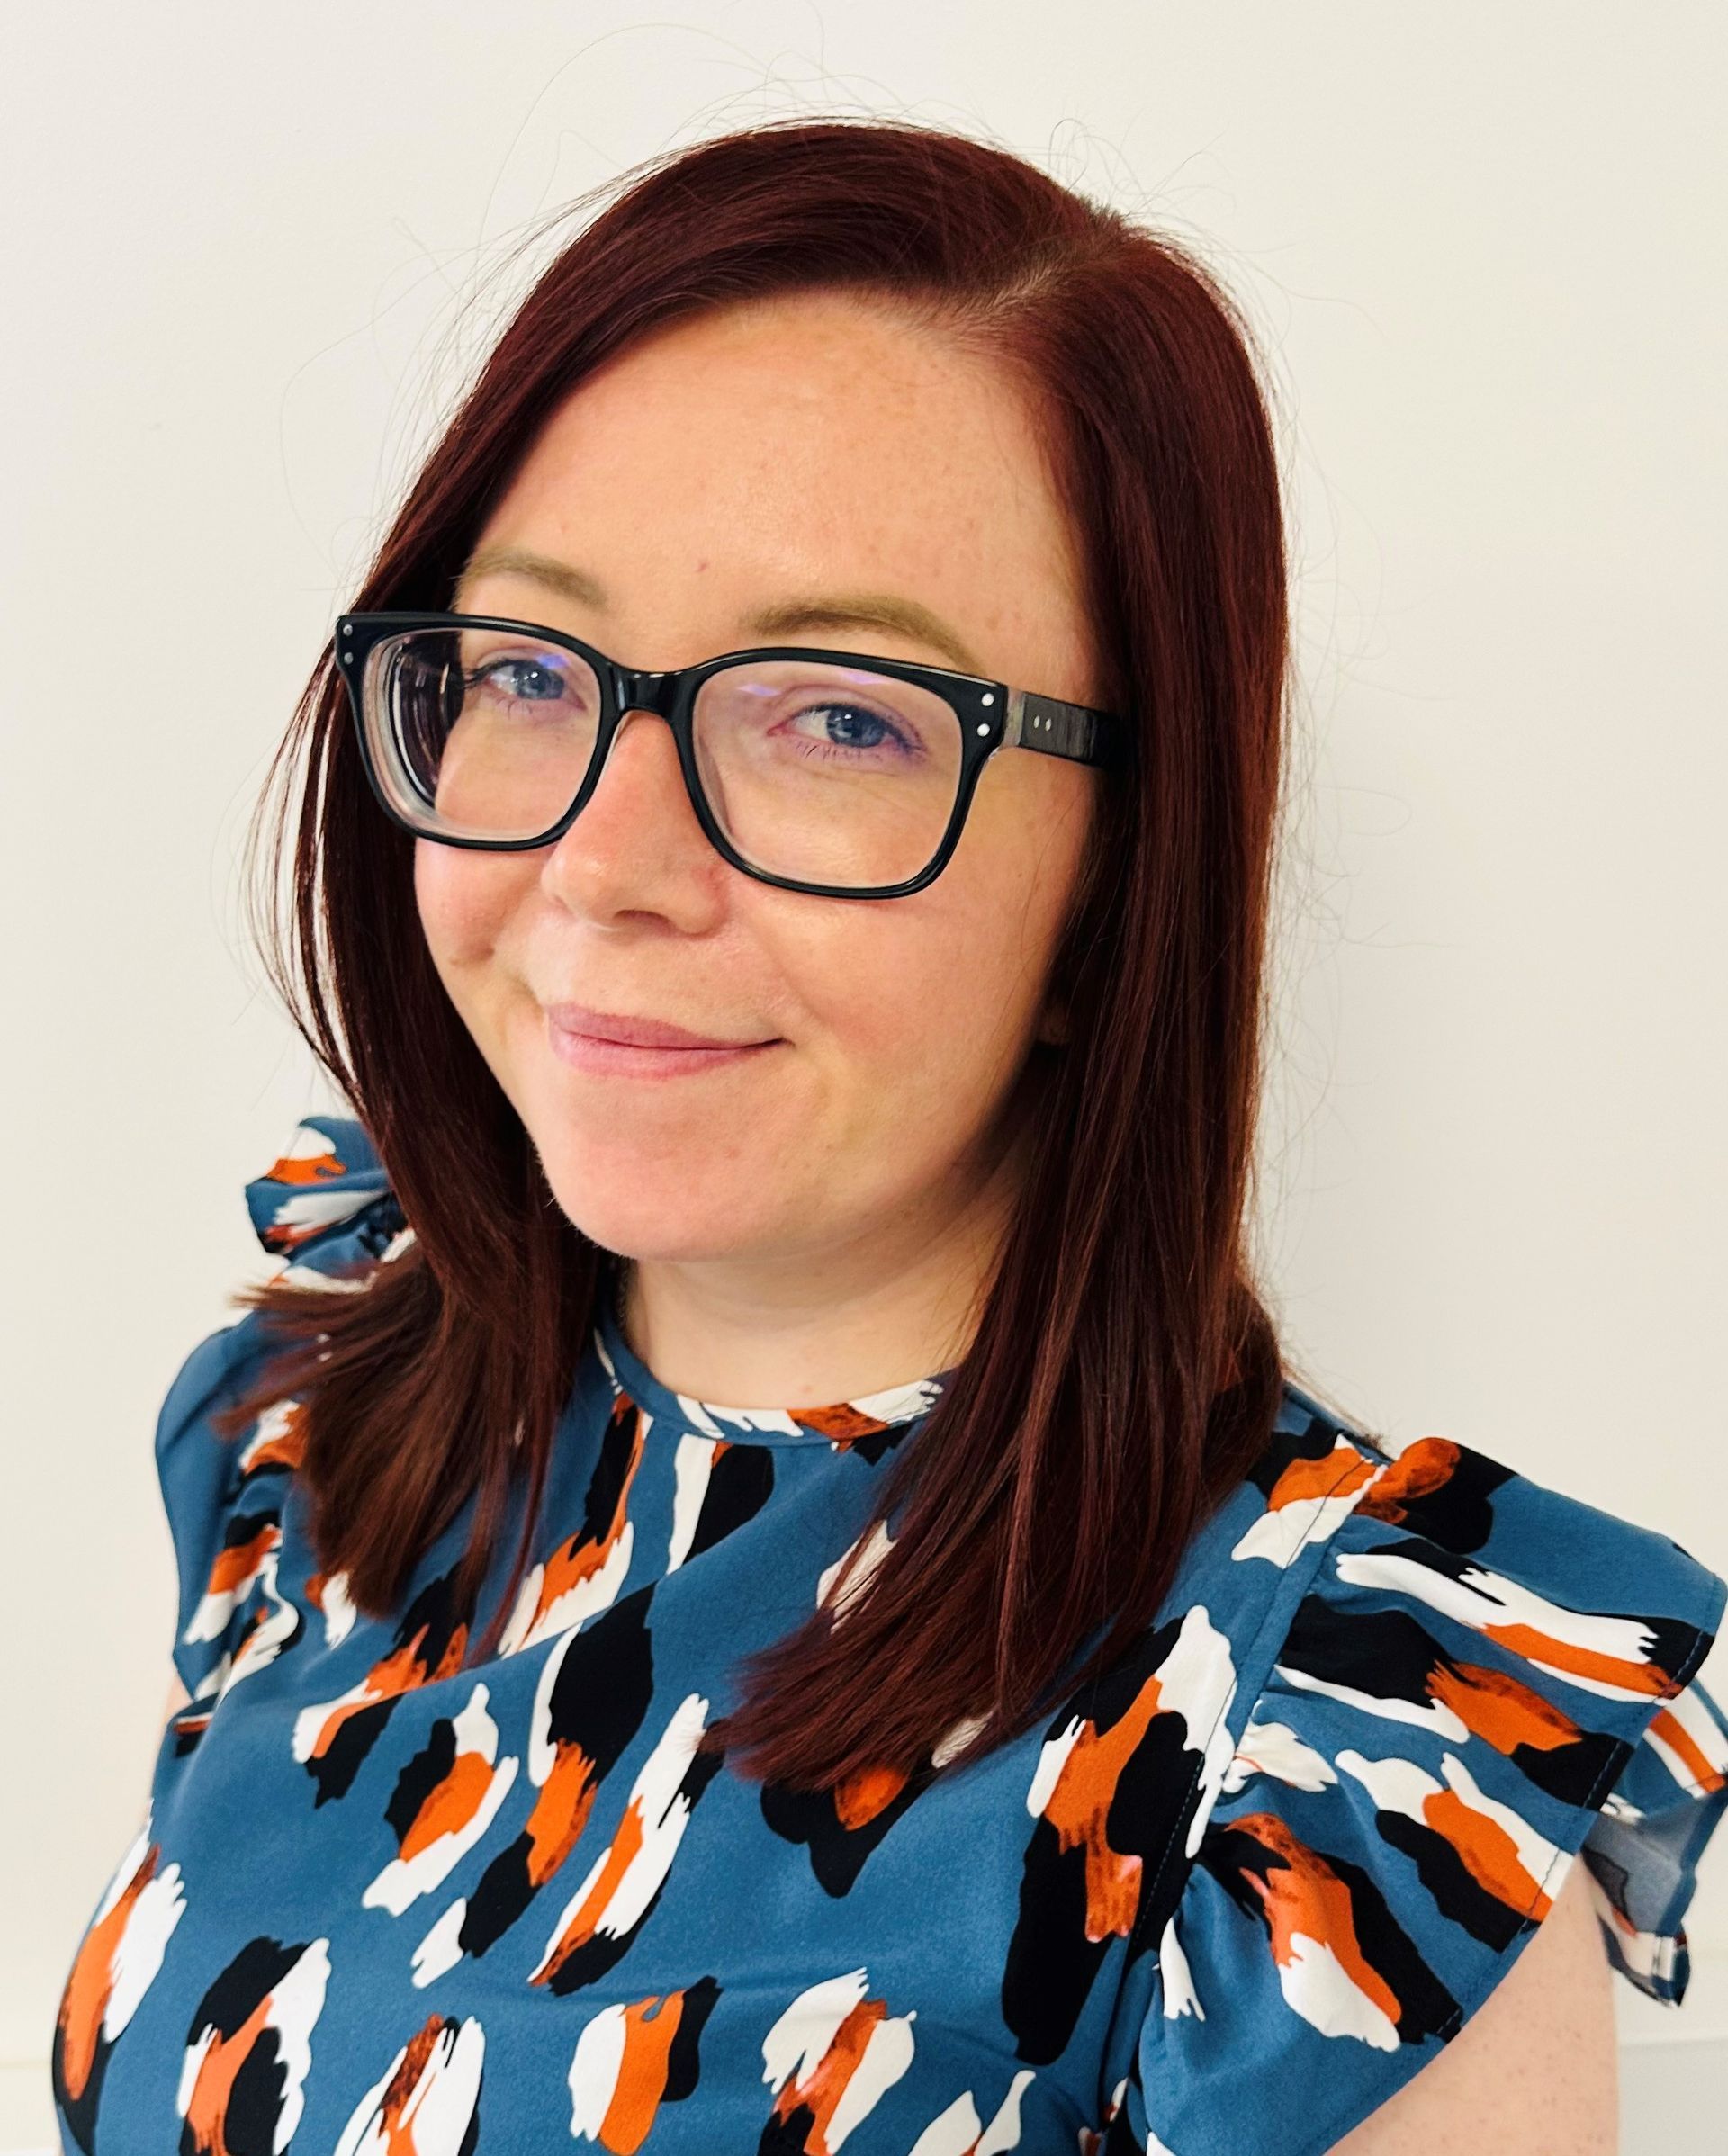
x=1483, y=246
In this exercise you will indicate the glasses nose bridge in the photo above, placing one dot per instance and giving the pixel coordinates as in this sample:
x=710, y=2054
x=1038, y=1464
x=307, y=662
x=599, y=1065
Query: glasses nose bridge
x=646, y=689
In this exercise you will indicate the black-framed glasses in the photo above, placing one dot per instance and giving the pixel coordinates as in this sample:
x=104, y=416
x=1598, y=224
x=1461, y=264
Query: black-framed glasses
x=831, y=772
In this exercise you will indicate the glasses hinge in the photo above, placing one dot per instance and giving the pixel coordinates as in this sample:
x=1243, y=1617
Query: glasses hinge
x=1047, y=722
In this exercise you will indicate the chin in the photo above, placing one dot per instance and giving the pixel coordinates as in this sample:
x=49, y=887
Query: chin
x=657, y=1207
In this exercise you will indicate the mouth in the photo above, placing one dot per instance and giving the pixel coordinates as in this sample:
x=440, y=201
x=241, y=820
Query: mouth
x=589, y=1041
x=618, y=1027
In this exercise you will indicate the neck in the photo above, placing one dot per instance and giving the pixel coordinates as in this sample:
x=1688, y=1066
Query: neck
x=809, y=1326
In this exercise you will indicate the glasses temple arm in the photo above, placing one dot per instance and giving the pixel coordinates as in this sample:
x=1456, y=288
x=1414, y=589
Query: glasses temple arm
x=1058, y=729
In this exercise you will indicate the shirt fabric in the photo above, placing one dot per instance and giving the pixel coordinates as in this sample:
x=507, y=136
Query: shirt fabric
x=1230, y=1897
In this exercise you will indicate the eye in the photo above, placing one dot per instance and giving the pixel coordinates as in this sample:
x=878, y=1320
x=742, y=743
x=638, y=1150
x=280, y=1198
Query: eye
x=853, y=726
x=528, y=681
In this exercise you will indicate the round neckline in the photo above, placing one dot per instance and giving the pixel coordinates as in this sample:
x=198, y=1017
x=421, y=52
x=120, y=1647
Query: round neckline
x=839, y=1425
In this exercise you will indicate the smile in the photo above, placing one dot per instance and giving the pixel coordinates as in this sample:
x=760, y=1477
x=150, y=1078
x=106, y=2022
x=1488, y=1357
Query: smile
x=621, y=1059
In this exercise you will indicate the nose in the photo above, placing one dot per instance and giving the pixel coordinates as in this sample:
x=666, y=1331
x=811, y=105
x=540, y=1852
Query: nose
x=636, y=845
x=642, y=775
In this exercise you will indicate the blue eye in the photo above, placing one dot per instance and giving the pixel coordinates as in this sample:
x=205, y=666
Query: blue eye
x=524, y=678
x=849, y=729
x=852, y=720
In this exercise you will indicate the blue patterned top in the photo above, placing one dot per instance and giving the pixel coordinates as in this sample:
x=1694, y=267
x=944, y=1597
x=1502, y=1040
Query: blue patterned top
x=1230, y=1897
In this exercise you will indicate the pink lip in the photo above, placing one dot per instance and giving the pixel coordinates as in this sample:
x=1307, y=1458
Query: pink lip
x=648, y=1049
x=635, y=1032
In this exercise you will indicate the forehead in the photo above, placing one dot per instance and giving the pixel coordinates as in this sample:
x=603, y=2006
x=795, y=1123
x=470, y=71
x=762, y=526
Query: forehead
x=804, y=443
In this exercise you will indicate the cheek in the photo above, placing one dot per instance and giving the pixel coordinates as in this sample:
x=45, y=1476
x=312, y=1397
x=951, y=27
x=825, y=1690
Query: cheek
x=922, y=998
x=942, y=993
x=1002, y=898
x=463, y=903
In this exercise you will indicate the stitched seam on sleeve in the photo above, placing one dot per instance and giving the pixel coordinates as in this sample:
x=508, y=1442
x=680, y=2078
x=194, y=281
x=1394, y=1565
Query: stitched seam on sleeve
x=1279, y=1601
x=1612, y=1773
x=1687, y=1780
x=1564, y=1859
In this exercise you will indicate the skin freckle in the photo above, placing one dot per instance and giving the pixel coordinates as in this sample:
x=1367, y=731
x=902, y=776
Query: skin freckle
x=831, y=1204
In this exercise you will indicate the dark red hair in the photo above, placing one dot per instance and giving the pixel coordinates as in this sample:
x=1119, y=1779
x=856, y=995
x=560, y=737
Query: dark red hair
x=1123, y=1371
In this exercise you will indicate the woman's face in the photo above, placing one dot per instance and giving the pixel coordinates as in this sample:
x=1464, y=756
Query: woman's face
x=809, y=455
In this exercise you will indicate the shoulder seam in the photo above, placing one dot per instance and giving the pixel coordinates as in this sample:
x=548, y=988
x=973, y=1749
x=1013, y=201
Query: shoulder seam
x=1281, y=1600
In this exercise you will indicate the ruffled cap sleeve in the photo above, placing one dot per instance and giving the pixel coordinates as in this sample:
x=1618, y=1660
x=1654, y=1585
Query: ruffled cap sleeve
x=1482, y=1680
x=325, y=1207
x=327, y=1176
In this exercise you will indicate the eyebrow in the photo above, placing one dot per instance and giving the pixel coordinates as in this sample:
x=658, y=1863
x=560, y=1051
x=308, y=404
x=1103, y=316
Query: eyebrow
x=786, y=617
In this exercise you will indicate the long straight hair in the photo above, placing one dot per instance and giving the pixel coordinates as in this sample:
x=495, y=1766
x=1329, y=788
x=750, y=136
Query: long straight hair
x=1123, y=1371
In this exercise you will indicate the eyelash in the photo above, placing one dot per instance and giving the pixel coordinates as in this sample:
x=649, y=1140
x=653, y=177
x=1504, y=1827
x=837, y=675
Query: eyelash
x=842, y=749
x=829, y=751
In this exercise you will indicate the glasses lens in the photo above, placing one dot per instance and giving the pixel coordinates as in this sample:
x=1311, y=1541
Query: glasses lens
x=484, y=733
x=828, y=774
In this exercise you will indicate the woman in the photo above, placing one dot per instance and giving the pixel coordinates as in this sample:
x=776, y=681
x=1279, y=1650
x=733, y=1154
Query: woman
x=1048, y=1723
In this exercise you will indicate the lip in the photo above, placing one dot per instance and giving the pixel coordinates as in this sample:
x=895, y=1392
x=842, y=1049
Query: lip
x=599, y=1053
x=635, y=1032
